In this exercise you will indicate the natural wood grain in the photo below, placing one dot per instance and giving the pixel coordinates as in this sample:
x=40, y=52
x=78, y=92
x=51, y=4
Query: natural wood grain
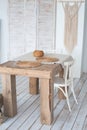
x=33, y=85
x=47, y=59
x=43, y=71
x=26, y=64
x=46, y=101
x=46, y=74
x=9, y=95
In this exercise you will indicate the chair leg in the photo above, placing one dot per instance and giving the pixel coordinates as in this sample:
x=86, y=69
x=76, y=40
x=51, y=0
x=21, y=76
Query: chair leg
x=67, y=98
x=72, y=89
x=56, y=88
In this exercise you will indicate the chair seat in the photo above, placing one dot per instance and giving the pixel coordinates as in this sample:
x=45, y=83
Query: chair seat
x=59, y=81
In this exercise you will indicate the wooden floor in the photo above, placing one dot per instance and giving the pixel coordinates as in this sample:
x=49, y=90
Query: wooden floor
x=28, y=117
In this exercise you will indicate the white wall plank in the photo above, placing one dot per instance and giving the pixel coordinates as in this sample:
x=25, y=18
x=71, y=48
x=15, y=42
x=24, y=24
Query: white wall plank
x=22, y=24
x=4, y=30
x=84, y=61
x=45, y=25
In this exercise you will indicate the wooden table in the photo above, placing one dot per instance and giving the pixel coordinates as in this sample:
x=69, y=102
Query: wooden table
x=41, y=76
x=34, y=82
x=45, y=73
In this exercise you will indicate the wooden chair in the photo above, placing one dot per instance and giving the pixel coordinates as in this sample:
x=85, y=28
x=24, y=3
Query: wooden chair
x=66, y=81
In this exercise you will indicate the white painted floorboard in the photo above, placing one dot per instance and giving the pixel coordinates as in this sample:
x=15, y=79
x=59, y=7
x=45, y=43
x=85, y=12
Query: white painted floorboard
x=28, y=116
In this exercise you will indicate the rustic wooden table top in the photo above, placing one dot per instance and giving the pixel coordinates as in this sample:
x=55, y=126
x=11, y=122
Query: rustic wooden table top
x=29, y=56
x=44, y=70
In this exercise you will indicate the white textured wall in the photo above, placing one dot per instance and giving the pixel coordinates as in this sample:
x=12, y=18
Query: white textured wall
x=4, y=42
x=0, y=40
x=84, y=59
x=45, y=24
x=31, y=24
x=22, y=25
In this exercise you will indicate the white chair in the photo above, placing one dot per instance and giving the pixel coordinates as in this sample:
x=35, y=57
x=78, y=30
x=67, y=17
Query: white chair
x=66, y=81
x=50, y=51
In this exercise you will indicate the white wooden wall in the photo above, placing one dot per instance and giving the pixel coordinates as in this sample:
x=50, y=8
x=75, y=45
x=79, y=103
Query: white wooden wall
x=22, y=24
x=31, y=24
x=0, y=40
x=45, y=24
x=84, y=59
x=4, y=30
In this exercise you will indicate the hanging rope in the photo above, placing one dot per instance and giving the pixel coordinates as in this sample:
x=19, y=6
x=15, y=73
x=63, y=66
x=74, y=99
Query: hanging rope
x=74, y=3
x=71, y=25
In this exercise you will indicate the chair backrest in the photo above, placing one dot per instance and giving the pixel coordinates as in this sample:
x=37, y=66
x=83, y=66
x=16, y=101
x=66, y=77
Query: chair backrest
x=68, y=66
x=51, y=51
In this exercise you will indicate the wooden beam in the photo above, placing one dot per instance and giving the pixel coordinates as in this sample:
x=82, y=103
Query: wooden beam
x=46, y=101
x=9, y=95
x=33, y=86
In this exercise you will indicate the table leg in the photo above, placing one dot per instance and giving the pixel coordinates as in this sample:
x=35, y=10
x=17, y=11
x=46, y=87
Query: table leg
x=60, y=93
x=46, y=101
x=33, y=85
x=9, y=95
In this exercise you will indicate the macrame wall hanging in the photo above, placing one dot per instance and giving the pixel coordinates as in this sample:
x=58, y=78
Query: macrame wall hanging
x=71, y=25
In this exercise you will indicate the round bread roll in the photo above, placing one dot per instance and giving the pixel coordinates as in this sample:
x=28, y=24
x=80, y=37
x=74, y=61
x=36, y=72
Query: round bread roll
x=38, y=53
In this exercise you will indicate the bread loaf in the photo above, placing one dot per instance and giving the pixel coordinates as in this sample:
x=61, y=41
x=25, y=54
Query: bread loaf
x=38, y=53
